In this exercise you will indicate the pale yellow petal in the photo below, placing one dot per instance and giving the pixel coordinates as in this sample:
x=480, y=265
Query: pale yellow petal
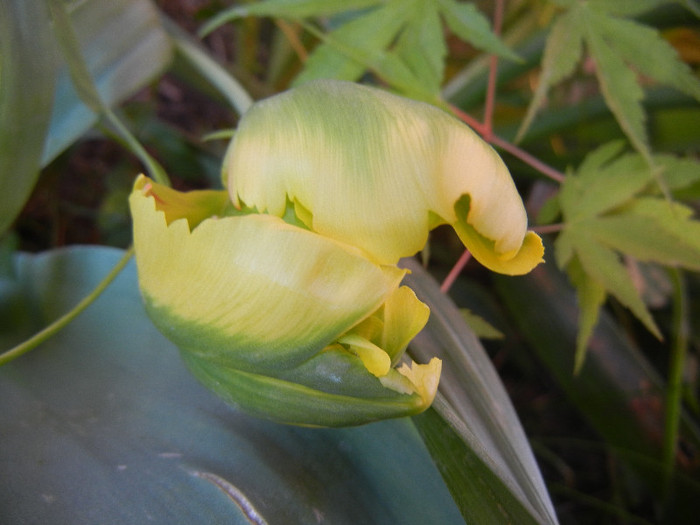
x=251, y=289
x=372, y=169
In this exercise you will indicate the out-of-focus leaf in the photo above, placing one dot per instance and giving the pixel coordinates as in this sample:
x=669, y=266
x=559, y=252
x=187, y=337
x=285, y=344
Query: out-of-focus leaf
x=400, y=41
x=562, y=53
x=287, y=9
x=618, y=83
x=614, y=43
x=616, y=390
x=215, y=74
x=467, y=22
x=86, y=88
x=103, y=424
x=124, y=47
x=472, y=399
x=27, y=78
x=626, y=7
x=424, y=31
x=609, y=210
x=348, y=49
x=480, y=326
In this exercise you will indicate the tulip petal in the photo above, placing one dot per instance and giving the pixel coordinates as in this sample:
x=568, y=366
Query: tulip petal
x=517, y=262
x=376, y=360
x=373, y=170
x=249, y=291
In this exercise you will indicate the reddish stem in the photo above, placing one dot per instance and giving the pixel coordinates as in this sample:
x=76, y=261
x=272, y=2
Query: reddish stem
x=455, y=271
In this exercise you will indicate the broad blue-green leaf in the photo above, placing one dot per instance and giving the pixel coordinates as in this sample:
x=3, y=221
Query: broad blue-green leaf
x=27, y=78
x=103, y=424
x=503, y=478
x=124, y=47
x=86, y=89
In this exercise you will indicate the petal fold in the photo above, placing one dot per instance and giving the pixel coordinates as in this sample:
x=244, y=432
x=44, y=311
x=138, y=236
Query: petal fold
x=373, y=170
x=249, y=291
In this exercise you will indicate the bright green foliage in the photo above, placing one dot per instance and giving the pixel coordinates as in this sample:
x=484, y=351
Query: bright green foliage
x=609, y=210
x=401, y=41
x=621, y=49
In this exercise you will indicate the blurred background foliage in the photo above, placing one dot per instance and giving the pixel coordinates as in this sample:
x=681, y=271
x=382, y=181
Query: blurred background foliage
x=593, y=105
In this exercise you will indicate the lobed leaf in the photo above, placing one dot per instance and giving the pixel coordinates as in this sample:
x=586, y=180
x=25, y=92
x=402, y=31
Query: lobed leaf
x=562, y=53
x=344, y=56
x=467, y=22
x=619, y=86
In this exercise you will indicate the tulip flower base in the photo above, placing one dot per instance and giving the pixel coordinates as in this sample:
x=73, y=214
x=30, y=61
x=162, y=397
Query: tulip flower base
x=104, y=424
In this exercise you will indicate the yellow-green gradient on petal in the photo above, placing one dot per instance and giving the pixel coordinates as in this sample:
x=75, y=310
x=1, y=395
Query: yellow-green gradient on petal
x=373, y=170
x=249, y=291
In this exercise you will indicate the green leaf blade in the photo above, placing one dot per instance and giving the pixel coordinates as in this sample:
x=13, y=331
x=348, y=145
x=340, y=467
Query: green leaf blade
x=467, y=22
x=27, y=77
x=619, y=86
x=103, y=424
x=563, y=51
x=469, y=396
x=660, y=61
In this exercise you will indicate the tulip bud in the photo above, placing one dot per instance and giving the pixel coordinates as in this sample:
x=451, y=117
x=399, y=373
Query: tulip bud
x=283, y=293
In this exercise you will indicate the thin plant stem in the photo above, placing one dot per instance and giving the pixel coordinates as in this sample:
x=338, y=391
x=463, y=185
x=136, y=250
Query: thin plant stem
x=455, y=271
x=679, y=348
x=65, y=319
x=548, y=228
x=540, y=166
x=292, y=37
x=514, y=150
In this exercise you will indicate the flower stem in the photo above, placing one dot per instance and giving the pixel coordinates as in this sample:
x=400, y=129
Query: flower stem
x=65, y=319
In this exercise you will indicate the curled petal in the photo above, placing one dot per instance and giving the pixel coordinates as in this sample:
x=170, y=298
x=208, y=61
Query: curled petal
x=377, y=171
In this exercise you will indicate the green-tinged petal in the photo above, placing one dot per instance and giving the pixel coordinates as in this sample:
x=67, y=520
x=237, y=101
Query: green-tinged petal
x=291, y=401
x=404, y=316
x=515, y=263
x=373, y=170
x=376, y=360
x=249, y=291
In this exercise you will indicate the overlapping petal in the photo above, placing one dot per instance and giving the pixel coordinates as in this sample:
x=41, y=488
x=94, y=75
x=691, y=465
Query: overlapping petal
x=378, y=171
x=264, y=311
